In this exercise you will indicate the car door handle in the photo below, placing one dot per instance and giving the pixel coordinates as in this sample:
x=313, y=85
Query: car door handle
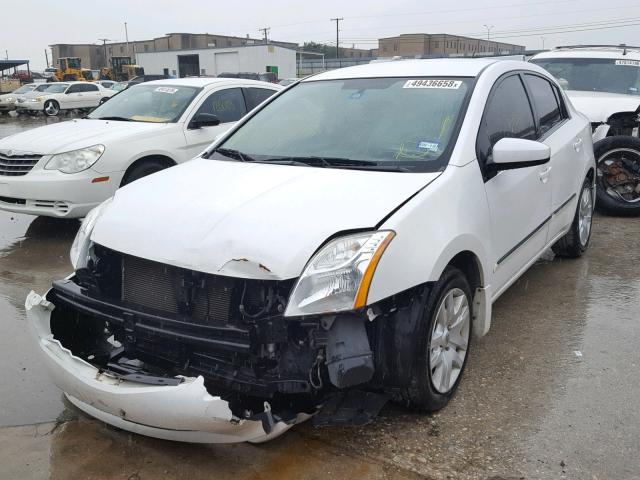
x=577, y=144
x=544, y=175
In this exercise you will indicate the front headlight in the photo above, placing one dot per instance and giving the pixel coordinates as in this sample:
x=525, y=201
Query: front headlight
x=338, y=277
x=34, y=100
x=75, y=161
x=9, y=99
x=79, y=253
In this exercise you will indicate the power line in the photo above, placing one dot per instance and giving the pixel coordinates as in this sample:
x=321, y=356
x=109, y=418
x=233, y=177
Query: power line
x=474, y=21
x=554, y=30
x=613, y=21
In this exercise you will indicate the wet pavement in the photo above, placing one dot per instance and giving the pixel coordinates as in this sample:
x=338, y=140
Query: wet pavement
x=551, y=392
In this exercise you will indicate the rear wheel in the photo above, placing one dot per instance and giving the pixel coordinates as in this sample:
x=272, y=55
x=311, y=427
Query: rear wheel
x=142, y=169
x=444, y=339
x=618, y=175
x=51, y=108
x=576, y=240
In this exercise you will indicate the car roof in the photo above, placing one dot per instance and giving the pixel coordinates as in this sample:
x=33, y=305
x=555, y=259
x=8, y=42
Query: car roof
x=595, y=51
x=205, y=81
x=445, y=67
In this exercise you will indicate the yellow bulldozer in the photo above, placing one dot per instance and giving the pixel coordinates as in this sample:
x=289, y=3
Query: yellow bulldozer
x=70, y=69
x=121, y=70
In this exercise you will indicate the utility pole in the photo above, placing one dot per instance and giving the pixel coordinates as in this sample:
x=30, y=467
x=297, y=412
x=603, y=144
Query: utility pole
x=337, y=20
x=265, y=31
x=46, y=57
x=126, y=36
x=104, y=46
x=543, y=40
x=6, y=54
x=489, y=28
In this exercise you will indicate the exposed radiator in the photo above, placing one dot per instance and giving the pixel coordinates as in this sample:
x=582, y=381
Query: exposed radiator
x=205, y=299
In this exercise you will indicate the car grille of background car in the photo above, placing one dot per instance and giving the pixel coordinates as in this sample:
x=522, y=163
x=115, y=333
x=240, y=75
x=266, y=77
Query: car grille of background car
x=17, y=165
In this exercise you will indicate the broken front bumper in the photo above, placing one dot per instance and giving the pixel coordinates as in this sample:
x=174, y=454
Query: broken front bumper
x=184, y=412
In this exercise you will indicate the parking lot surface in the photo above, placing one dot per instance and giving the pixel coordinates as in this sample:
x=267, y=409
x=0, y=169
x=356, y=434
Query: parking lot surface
x=551, y=392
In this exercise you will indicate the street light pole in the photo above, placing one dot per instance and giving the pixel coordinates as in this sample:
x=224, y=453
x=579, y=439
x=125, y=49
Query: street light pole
x=489, y=28
x=337, y=20
x=543, y=40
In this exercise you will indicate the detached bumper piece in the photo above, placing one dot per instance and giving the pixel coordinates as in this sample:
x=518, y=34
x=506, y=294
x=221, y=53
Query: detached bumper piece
x=183, y=412
x=183, y=355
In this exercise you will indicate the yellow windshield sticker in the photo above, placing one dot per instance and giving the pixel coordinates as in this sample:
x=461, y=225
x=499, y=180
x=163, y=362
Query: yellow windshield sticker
x=144, y=118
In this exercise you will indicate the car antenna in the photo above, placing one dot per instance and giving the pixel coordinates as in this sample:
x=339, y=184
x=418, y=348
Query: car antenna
x=624, y=48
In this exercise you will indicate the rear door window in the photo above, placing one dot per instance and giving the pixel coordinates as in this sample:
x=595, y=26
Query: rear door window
x=228, y=105
x=545, y=101
x=255, y=96
x=508, y=114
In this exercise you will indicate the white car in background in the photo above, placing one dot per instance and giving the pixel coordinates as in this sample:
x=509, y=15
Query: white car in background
x=66, y=169
x=8, y=100
x=106, y=83
x=63, y=96
x=603, y=83
x=336, y=248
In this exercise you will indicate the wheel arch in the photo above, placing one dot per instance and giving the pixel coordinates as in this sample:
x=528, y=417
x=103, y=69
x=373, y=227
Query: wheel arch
x=470, y=262
x=165, y=159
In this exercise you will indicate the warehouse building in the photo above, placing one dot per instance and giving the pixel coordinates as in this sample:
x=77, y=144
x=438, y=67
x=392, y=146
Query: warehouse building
x=214, y=61
x=424, y=44
x=97, y=56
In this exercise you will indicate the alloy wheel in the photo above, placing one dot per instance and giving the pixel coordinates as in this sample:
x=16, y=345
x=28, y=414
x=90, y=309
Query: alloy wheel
x=585, y=214
x=449, y=340
x=51, y=108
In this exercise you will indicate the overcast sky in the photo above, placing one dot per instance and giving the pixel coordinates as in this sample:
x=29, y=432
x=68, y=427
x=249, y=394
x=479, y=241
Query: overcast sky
x=515, y=21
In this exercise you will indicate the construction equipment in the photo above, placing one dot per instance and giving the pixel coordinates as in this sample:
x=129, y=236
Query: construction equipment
x=70, y=69
x=121, y=70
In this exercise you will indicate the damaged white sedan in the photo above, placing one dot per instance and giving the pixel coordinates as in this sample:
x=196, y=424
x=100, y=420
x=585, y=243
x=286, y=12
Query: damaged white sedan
x=333, y=251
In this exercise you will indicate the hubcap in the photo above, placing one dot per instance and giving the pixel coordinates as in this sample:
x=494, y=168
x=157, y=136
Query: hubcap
x=585, y=214
x=51, y=108
x=449, y=340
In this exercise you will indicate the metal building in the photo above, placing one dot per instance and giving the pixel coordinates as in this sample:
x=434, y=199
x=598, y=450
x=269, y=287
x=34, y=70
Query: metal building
x=214, y=61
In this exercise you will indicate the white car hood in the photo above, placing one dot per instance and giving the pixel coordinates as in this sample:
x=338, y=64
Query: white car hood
x=247, y=220
x=74, y=134
x=599, y=106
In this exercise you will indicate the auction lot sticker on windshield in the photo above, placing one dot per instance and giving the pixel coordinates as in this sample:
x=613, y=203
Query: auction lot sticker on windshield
x=166, y=90
x=431, y=83
x=629, y=63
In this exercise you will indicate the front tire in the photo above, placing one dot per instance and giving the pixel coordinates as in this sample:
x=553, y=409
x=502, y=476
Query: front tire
x=143, y=169
x=444, y=339
x=618, y=175
x=576, y=240
x=51, y=108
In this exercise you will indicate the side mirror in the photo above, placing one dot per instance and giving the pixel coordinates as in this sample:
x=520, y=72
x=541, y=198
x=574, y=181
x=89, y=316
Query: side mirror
x=510, y=153
x=204, y=120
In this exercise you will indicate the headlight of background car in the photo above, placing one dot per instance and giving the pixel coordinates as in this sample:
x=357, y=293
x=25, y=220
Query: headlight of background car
x=79, y=253
x=75, y=161
x=338, y=277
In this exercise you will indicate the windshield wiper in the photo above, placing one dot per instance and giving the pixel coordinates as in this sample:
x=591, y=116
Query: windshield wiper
x=118, y=119
x=235, y=154
x=336, y=162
